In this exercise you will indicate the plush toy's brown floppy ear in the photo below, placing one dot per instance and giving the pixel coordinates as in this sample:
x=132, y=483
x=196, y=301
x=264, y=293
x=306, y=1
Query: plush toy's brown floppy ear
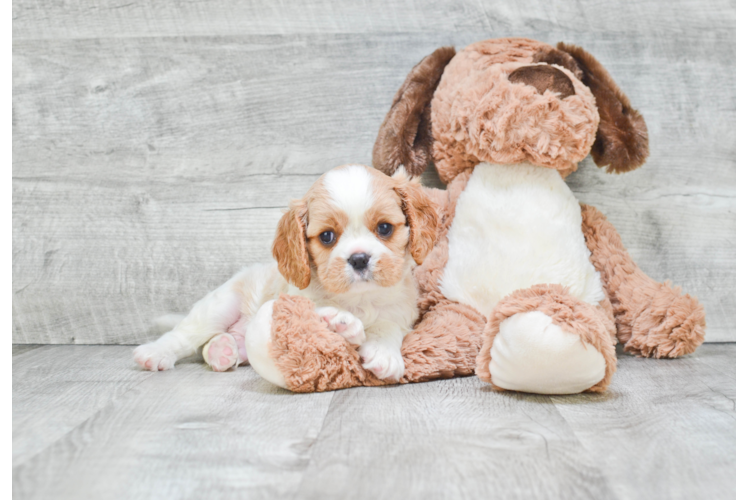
x=622, y=142
x=289, y=247
x=421, y=214
x=405, y=135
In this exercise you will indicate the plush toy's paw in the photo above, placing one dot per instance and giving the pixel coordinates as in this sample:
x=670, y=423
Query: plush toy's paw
x=532, y=354
x=343, y=323
x=671, y=326
x=221, y=353
x=544, y=340
x=382, y=360
x=154, y=357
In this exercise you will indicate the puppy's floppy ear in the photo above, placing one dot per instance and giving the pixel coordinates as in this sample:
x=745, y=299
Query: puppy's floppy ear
x=289, y=247
x=622, y=142
x=421, y=215
x=405, y=135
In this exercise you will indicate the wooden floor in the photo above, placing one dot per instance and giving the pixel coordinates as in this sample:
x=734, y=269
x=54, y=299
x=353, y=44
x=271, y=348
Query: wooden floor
x=88, y=424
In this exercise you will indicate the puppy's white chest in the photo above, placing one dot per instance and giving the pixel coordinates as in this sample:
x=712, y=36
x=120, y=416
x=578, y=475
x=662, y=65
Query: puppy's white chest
x=516, y=226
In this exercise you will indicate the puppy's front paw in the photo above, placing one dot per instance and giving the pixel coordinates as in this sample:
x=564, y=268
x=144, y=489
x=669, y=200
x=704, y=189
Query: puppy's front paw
x=154, y=357
x=383, y=361
x=343, y=323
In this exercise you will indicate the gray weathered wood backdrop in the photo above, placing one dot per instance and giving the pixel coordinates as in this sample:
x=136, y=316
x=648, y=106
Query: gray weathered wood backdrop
x=155, y=143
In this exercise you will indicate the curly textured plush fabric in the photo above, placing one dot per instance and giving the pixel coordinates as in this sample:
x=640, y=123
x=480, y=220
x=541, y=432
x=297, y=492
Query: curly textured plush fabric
x=653, y=319
x=444, y=344
x=479, y=115
x=311, y=358
x=594, y=325
x=405, y=135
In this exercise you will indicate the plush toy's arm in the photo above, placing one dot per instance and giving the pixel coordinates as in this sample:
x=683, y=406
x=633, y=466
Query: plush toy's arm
x=294, y=349
x=444, y=344
x=652, y=319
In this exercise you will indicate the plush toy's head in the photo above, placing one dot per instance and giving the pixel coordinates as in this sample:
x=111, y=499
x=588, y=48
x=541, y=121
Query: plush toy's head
x=354, y=229
x=508, y=101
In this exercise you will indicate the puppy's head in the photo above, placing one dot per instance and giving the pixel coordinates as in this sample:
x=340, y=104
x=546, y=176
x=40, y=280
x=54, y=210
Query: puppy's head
x=355, y=229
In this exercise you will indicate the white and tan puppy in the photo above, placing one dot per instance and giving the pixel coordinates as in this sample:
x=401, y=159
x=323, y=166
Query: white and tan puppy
x=350, y=246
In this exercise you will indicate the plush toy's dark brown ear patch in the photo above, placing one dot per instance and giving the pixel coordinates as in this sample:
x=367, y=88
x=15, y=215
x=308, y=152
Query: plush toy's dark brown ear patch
x=544, y=78
x=622, y=141
x=405, y=135
x=551, y=55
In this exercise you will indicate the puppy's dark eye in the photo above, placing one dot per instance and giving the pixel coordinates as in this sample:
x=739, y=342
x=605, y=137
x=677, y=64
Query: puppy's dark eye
x=327, y=238
x=384, y=229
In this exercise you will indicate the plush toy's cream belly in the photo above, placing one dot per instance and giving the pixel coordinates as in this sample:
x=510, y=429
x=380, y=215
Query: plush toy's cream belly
x=516, y=226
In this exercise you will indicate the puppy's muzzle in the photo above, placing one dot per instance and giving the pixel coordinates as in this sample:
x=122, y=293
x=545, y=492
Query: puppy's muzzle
x=359, y=261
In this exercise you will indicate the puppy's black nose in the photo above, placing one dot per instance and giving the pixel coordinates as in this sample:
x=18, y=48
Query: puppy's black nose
x=359, y=261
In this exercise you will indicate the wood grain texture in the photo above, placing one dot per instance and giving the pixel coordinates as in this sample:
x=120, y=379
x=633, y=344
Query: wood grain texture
x=135, y=124
x=665, y=429
x=455, y=439
x=113, y=18
x=187, y=433
x=652, y=418
x=56, y=390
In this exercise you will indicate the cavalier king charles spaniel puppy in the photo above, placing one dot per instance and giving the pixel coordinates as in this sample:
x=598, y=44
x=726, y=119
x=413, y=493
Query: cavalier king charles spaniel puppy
x=350, y=246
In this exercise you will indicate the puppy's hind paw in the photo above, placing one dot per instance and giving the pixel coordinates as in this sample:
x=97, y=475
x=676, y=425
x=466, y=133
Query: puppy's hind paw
x=154, y=357
x=343, y=323
x=221, y=353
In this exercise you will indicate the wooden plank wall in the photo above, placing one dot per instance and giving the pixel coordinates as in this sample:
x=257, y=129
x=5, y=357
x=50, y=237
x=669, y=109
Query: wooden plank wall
x=155, y=144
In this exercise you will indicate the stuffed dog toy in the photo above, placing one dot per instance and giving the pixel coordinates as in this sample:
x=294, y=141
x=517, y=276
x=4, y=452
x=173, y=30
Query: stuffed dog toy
x=525, y=286
x=505, y=121
x=348, y=246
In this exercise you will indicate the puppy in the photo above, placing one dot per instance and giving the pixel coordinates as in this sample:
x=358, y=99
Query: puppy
x=349, y=245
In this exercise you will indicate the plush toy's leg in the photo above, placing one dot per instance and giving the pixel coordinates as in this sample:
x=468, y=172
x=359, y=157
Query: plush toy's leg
x=444, y=344
x=543, y=340
x=291, y=346
x=259, y=344
x=652, y=319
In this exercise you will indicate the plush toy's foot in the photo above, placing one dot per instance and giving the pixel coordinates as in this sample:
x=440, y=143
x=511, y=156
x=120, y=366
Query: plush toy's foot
x=543, y=340
x=259, y=343
x=532, y=354
x=221, y=353
x=671, y=324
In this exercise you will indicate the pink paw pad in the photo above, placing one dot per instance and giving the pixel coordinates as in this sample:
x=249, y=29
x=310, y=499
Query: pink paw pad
x=222, y=353
x=341, y=327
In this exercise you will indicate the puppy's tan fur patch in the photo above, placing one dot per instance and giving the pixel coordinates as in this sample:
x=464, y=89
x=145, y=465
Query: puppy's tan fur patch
x=396, y=200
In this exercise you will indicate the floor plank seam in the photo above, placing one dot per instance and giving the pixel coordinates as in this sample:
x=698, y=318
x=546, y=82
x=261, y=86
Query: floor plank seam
x=313, y=447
